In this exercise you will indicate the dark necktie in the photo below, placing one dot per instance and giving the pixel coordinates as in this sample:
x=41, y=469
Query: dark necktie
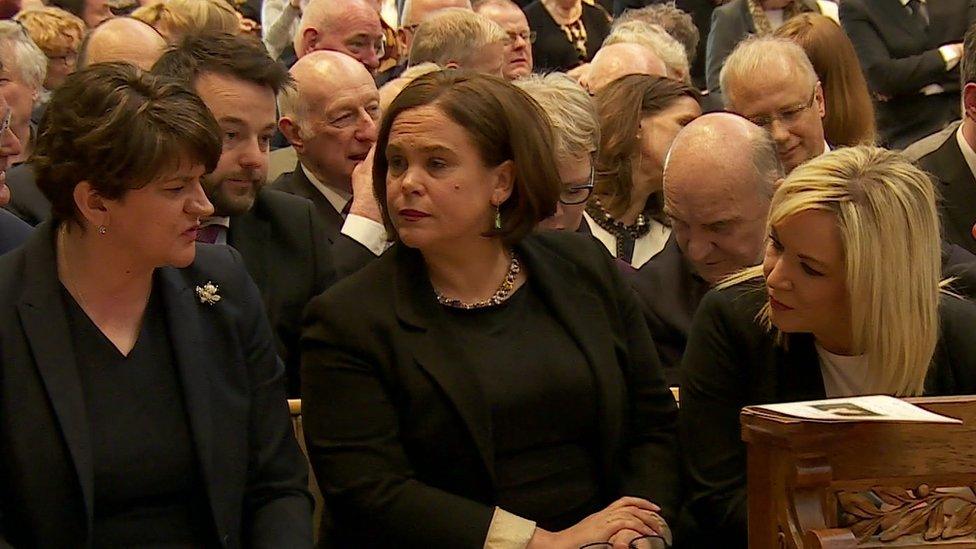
x=346, y=208
x=209, y=234
x=918, y=11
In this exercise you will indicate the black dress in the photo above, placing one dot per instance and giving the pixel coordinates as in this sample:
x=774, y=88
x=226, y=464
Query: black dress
x=731, y=362
x=147, y=489
x=553, y=50
x=543, y=405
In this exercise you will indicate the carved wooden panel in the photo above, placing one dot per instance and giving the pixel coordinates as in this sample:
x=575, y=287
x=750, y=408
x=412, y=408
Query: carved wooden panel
x=890, y=513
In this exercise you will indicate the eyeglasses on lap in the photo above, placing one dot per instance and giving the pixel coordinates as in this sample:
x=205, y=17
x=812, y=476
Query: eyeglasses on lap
x=643, y=542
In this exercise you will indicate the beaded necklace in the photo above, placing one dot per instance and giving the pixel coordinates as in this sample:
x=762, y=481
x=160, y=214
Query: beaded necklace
x=503, y=292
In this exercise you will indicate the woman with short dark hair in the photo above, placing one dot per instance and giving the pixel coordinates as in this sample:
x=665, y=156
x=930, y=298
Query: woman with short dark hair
x=482, y=384
x=142, y=402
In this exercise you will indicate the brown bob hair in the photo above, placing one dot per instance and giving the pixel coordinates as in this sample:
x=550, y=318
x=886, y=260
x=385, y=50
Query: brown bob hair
x=119, y=128
x=850, y=112
x=504, y=123
x=621, y=105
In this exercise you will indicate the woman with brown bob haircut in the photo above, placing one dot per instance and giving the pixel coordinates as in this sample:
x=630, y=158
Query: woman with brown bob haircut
x=482, y=384
x=640, y=116
x=142, y=402
x=850, y=112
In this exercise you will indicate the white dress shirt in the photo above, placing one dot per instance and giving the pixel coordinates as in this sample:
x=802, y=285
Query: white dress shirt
x=367, y=232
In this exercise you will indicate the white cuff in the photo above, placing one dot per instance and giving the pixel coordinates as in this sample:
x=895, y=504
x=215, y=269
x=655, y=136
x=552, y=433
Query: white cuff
x=950, y=55
x=508, y=531
x=367, y=232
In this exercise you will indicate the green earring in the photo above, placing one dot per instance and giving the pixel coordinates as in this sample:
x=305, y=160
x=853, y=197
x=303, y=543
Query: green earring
x=498, y=217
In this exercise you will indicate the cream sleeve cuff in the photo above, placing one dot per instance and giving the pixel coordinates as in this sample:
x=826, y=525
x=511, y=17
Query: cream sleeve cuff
x=950, y=55
x=367, y=232
x=508, y=531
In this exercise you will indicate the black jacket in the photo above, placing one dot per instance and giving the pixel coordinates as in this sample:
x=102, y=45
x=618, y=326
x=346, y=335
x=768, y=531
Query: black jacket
x=13, y=231
x=732, y=362
x=347, y=254
x=26, y=200
x=233, y=386
x=398, y=431
x=286, y=252
x=900, y=56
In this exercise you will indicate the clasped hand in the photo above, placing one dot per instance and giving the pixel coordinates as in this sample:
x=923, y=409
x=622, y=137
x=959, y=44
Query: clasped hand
x=618, y=525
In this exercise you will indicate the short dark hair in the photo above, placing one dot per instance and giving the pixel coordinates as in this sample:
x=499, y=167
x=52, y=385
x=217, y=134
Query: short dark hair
x=119, y=128
x=967, y=66
x=504, y=123
x=236, y=56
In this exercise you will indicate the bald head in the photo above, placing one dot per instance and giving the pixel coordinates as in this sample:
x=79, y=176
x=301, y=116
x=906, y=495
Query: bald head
x=719, y=221
x=615, y=60
x=349, y=26
x=330, y=115
x=122, y=39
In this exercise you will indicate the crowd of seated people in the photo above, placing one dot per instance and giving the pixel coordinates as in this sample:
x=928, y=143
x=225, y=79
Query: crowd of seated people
x=483, y=244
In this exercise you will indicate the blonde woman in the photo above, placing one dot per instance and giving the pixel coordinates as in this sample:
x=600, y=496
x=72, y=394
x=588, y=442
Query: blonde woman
x=176, y=18
x=59, y=34
x=576, y=128
x=846, y=302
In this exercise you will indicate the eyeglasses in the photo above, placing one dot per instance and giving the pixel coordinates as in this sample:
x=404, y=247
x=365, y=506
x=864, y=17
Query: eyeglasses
x=643, y=542
x=787, y=116
x=578, y=193
x=528, y=36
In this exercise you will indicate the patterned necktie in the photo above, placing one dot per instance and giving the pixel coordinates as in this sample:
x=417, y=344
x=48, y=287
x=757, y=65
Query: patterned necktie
x=209, y=234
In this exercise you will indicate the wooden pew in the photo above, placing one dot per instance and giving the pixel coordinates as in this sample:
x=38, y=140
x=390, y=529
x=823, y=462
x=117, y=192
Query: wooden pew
x=295, y=408
x=864, y=485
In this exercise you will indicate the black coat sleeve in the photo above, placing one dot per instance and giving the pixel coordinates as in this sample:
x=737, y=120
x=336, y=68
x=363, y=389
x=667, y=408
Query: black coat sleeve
x=713, y=382
x=728, y=30
x=354, y=442
x=886, y=74
x=349, y=256
x=277, y=505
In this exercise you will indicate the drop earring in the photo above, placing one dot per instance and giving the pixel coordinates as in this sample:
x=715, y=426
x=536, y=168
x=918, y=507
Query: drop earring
x=498, y=217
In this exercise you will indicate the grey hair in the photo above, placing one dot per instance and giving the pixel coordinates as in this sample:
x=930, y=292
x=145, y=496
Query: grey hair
x=453, y=34
x=754, y=55
x=672, y=19
x=572, y=114
x=765, y=160
x=30, y=61
x=292, y=105
x=655, y=38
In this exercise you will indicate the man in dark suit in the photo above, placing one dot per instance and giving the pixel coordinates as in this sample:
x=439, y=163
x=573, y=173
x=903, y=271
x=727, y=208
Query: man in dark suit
x=279, y=237
x=329, y=117
x=909, y=50
x=13, y=231
x=718, y=223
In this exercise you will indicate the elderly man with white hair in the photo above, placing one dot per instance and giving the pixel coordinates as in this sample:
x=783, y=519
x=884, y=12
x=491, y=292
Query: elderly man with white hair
x=460, y=38
x=616, y=60
x=351, y=27
x=22, y=69
x=771, y=82
x=657, y=40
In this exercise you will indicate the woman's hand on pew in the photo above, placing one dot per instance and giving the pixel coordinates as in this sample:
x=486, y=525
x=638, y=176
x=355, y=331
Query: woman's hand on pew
x=635, y=515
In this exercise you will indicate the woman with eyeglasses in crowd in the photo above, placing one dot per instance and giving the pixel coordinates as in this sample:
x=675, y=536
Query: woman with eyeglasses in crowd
x=497, y=386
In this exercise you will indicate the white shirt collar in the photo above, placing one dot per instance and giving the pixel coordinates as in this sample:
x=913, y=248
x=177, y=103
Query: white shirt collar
x=337, y=197
x=967, y=150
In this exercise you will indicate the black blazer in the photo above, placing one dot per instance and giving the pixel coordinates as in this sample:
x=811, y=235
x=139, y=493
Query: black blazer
x=900, y=56
x=731, y=362
x=26, y=199
x=668, y=292
x=397, y=430
x=285, y=251
x=13, y=231
x=957, y=191
x=552, y=51
x=348, y=255
x=233, y=386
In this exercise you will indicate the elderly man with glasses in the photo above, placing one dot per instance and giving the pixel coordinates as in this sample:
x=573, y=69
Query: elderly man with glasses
x=518, y=48
x=351, y=27
x=771, y=82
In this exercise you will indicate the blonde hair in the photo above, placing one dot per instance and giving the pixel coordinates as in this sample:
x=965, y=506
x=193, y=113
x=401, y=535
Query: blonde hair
x=754, y=55
x=453, y=35
x=176, y=18
x=889, y=229
x=575, y=123
x=656, y=39
x=54, y=30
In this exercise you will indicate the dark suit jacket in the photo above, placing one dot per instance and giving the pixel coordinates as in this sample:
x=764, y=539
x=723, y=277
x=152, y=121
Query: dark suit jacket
x=957, y=191
x=233, y=386
x=348, y=255
x=732, y=362
x=397, y=429
x=26, y=200
x=285, y=251
x=668, y=292
x=13, y=231
x=900, y=56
